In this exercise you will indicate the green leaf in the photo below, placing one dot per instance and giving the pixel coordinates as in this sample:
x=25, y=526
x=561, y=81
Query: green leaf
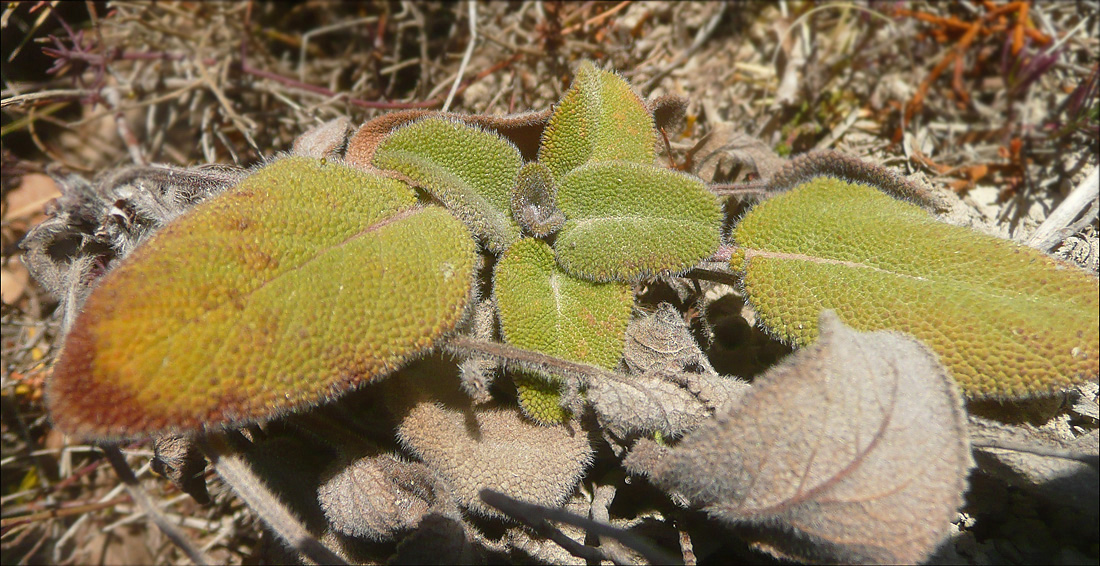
x=304, y=280
x=471, y=171
x=628, y=221
x=1007, y=320
x=542, y=308
x=599, y=119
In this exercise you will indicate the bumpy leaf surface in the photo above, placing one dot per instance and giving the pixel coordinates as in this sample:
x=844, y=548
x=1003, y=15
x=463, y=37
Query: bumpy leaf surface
x=542, y=308
x=1007, y=320
x=628, y=221
x=469, y=170
x=853, y=450
x=488, y=446
x=304, y=280
x=599, y=119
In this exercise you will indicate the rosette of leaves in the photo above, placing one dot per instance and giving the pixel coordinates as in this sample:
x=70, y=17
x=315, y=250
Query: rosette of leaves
x=1007, y=320
x=274, y=296
x=621, y=218
x=626, y=218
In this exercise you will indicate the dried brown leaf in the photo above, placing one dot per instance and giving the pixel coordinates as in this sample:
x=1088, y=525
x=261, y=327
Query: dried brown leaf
x=853, y=450
x=657, y=401
x=377, y=497
x=662, y=341
x=488, y=446
x=178, y=459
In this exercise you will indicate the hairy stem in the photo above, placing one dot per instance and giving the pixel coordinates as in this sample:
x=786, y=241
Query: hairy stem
x=238, y=474
x=530, y=360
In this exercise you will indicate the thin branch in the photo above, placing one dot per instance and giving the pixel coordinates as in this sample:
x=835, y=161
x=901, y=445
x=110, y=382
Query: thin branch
x=532, y=515
x=1053, y=230
x=472, y=5
x=122, y=468
x=239, y=475
x=531, y=360
x=1045, y=451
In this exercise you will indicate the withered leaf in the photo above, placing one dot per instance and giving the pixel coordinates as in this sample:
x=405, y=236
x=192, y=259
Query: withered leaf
x=489, y=446
x=377, y=497
x=662, y=340
x=853, y=450
x=661, y=401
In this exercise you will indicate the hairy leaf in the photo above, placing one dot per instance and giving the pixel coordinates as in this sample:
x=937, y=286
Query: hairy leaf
x=469, y=170
x=628, y=221
x=544, y=309
x=1007, y=320
x=496, y=448
x=274, y=296
x=599, y=119
x=485, y=446
x=661, y=401
x=377, y=497
x=662, y=341
x=852, y=450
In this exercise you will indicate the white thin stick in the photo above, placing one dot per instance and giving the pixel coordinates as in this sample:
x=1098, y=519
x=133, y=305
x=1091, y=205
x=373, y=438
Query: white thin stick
x=472, y=5
x=1053, y=230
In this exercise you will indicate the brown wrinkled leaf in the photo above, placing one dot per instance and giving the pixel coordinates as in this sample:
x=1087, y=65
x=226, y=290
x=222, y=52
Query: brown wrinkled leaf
x=488, y=446
x=853, y=450
x=377, y=497
x=726, y=146
x=657, y=401
x=662, y=341
x=178, y=459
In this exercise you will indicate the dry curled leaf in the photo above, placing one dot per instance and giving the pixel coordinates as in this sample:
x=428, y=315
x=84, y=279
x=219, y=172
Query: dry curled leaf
x=377, y=497
x=656, y=402
x=853, y=450
x=662, y=340
x=488, y=446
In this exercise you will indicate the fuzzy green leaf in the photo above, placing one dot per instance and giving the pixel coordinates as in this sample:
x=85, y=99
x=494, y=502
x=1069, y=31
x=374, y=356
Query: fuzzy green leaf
x=599, y=119
x=628, y=221
x=542, y=308
x=302, y=281
x=471, y=171
x=1007, y=320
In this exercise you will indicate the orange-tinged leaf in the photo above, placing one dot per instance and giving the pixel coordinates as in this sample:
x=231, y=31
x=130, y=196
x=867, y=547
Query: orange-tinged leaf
x=302, y=281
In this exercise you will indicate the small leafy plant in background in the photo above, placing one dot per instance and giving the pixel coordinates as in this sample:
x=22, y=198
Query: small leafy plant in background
x=520, y=245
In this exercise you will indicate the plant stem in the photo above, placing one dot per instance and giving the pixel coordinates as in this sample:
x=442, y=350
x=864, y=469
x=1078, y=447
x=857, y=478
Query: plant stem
x=238, y=474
